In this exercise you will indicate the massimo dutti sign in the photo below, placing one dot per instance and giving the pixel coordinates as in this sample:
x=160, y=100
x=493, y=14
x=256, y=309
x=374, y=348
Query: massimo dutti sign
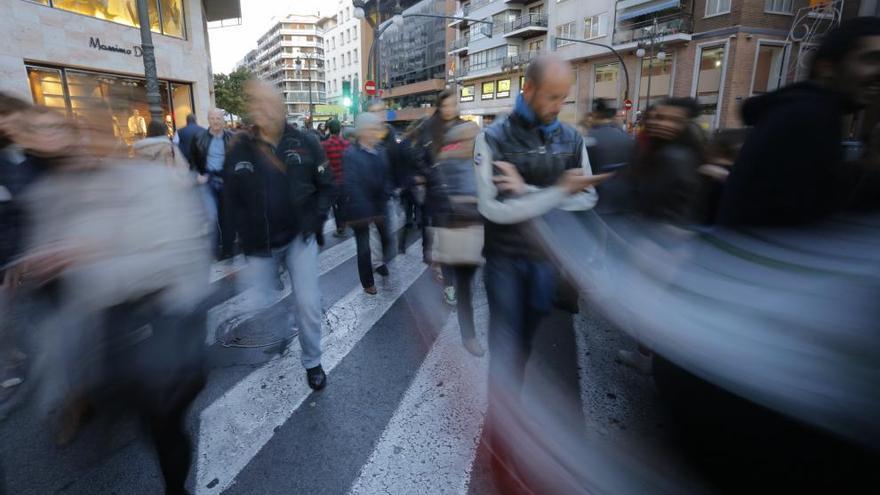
x=97, y=45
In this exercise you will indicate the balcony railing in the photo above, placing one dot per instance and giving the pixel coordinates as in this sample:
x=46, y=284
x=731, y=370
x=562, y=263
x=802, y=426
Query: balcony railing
x=526, y=21
x=478, y=4
x=518, y=60
x=461, y=43
x=666, y=26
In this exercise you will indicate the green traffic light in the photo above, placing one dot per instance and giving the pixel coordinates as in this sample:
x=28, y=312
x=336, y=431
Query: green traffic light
x=346, y=102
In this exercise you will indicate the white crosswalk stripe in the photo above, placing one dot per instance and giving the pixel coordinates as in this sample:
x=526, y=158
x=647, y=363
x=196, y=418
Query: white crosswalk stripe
x=430, y=443
x=236, y=426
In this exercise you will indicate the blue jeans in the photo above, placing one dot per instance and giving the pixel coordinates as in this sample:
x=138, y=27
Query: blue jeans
x=520, y=293
x=300, y=258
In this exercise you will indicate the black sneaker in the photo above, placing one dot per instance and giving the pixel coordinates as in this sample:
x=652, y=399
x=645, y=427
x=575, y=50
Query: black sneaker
x=316, y=377
x=382, y=271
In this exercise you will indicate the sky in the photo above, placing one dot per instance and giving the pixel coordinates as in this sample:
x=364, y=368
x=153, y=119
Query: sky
x=231, y=44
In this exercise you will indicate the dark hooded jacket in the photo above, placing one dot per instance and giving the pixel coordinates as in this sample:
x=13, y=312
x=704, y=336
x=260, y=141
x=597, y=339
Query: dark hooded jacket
x=790, y=170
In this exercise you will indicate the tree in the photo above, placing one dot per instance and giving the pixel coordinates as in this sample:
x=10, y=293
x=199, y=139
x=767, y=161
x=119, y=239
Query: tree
x=229, y=91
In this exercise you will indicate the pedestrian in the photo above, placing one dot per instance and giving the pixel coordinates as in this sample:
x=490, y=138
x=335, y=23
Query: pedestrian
x=366, y=190
x=791, y=169
x=158, y=148
x=281, y=187
x=323, y=133
x=185, y=136
x=456, y=226
x=609, y=146
x=80, y=244
x=411, y=184
x=334, y=148
x=208, y=150
x=16, y=174
x=516, y=184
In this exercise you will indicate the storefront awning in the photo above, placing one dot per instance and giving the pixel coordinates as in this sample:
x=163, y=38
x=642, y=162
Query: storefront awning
x=219, y=10
x=647, y=8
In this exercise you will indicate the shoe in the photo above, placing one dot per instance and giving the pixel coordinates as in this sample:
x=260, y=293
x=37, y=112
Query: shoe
x=473, y=346
x=449, y=293
x=382, y=270
x=371, y=290
x=643, y=363
x=316, y=377
x=340, y=233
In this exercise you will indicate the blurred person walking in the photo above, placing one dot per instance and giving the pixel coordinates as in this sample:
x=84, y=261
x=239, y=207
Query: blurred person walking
x=366, y=191
x=527, y=165
x=334, y=148
x=157, y=147
x=609, y=146
x=124, y=305
x=281, y=187
x=791, y=168
x=185, y=136
x=208, y=151
x=456, y=226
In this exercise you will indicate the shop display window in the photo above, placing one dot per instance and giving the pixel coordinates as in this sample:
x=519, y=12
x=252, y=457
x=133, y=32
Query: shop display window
x=166, y=16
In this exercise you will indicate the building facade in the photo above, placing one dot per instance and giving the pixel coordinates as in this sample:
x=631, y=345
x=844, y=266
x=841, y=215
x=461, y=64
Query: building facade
x=346, y=44
x=291, y=56
x=84, y=58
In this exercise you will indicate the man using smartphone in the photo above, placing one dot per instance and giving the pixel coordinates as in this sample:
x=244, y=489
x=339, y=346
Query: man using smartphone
x=527, y=165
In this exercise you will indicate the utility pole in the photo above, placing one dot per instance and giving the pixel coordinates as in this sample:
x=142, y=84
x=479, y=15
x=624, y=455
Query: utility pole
x=154, y=100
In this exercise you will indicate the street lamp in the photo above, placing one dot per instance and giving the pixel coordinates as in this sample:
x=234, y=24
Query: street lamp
x=149, y=55
x=661, y=55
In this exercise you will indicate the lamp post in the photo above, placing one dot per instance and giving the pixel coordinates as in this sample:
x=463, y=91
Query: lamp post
x=298, y=63
x=661, y=55
x=152, y=80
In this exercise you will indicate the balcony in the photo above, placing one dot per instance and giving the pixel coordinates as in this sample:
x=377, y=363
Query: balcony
x=462, y=12
x=460, y=45
x=677, y=27
x=518, y=61
x=479, y=4
x=527, y=26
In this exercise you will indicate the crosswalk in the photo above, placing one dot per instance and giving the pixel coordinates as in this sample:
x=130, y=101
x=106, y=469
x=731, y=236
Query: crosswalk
x=426, y=444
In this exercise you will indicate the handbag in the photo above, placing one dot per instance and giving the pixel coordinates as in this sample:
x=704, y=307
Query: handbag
x=458, y=245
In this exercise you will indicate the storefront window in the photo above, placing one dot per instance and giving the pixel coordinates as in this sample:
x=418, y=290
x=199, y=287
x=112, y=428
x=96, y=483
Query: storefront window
x=503, y=90
x=119, y=99
x=467, y=93
x=170, y=22
x=656, y=78
x=709, y=85
x=606, y=83
x=47, y=87
x=488, y=90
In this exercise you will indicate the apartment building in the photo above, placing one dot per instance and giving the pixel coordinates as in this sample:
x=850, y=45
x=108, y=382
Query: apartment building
x=291, y=55
x=346, y=45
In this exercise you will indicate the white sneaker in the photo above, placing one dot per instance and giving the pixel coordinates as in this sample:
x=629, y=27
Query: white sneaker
x=642, y=363
x=449, y=292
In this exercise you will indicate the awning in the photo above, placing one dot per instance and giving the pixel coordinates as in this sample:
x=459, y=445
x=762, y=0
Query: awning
x=648, y=8
x=219, y=10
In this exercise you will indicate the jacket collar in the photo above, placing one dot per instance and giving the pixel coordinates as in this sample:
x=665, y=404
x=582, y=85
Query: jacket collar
x=526, y=117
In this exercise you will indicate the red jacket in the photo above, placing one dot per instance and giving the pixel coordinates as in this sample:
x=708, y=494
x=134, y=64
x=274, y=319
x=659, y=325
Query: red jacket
x=334, y=147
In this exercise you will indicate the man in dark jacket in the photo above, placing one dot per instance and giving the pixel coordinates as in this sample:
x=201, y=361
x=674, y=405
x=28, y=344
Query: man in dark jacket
x=608, y=145
x=527, y=165
x=366, y=190
x=334, y=147
x=281, y=186
x=208, y=152
x=187, y=134
x=791, y=169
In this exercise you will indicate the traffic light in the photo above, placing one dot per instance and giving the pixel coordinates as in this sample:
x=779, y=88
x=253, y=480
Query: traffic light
x=346, y=94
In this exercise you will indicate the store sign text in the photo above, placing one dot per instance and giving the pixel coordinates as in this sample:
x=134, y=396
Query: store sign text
x=96, y=44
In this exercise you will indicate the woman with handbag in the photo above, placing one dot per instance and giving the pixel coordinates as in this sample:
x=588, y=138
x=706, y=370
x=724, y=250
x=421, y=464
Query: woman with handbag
x=456, y=225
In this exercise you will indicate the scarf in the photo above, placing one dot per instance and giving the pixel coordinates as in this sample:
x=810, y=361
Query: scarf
x=525, y=112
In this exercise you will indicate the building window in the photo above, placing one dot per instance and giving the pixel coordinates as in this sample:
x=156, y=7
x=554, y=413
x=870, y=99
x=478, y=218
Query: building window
x=606, y=83
x=108, y=98
x=566, y=30
x=355, y=56
x=488, y=90
x=502, y=88
x=596, y=26
x=656, y=78
x=166, y=16
x=354, y=33
x=717, y=7
x=708, y=91
x=467, y=93
x=536, y=46
x=778, y=6
x=769, y=71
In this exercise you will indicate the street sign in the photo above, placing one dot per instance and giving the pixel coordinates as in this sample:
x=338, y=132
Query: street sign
x=370, y=87
x=628, y=104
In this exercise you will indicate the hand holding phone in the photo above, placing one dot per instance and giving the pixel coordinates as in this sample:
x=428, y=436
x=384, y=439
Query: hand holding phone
x=574, y=180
